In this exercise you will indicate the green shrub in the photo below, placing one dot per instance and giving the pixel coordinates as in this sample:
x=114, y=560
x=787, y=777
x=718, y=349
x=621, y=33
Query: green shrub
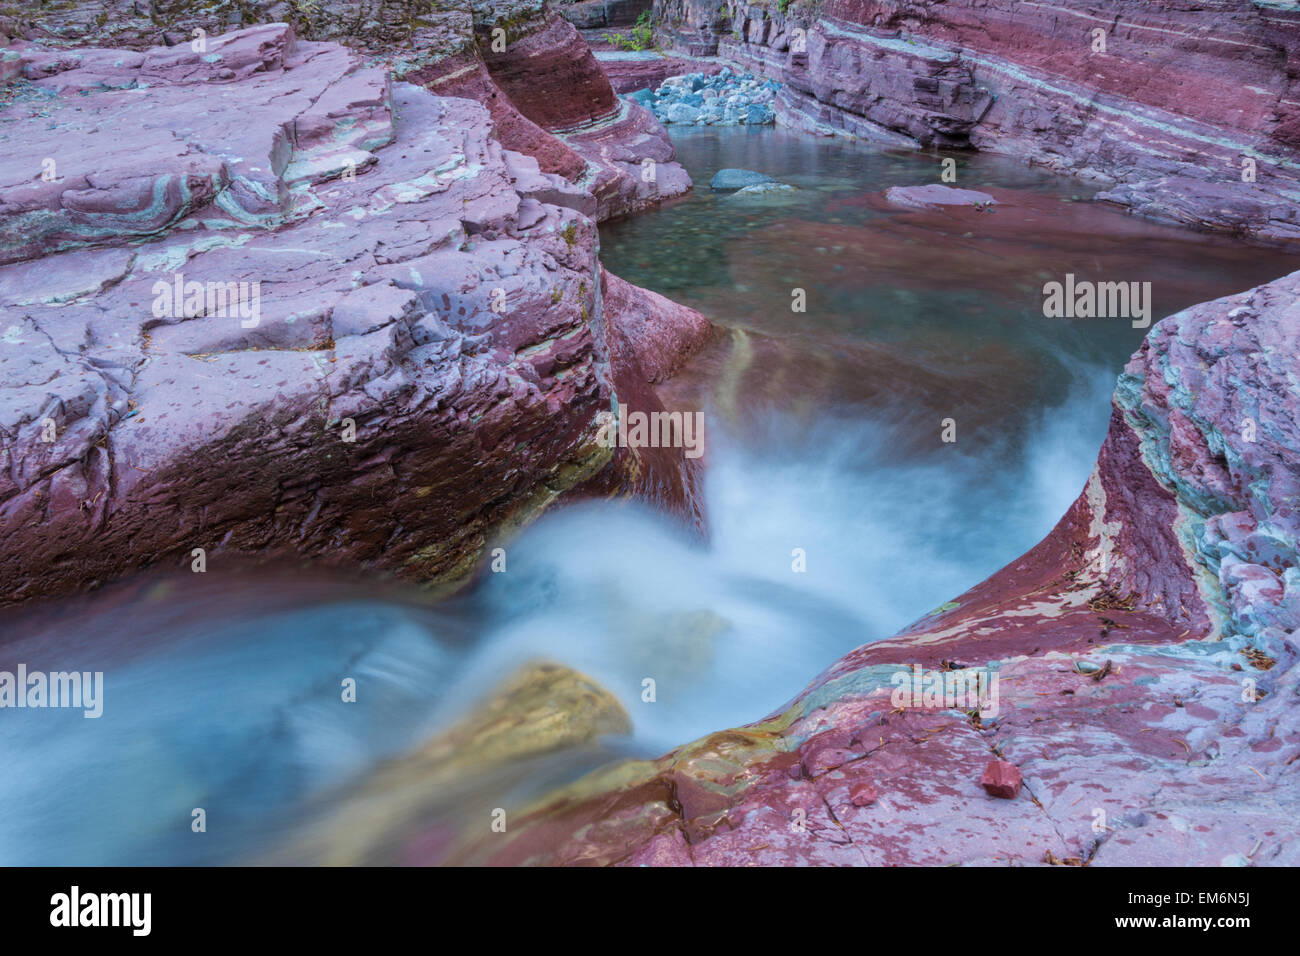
x=642, y=38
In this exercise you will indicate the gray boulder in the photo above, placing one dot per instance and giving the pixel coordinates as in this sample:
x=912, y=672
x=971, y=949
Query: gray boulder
x=682, y=113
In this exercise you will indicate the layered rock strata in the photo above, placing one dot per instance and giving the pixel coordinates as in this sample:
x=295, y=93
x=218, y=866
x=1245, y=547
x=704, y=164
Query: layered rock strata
x=260, y=300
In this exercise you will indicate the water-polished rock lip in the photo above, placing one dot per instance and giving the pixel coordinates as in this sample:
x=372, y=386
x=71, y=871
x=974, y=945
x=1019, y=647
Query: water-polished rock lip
x=1142, y=664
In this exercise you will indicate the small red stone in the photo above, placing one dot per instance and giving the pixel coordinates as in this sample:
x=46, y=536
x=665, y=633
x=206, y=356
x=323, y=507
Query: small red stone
x=863, y=795
x=1001, y=779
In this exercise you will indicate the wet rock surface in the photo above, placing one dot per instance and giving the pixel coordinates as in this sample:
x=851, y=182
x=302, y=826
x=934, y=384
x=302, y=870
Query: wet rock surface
x=403, y=345
x=539, y=710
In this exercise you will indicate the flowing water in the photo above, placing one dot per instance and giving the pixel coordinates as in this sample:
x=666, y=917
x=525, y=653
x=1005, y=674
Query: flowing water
x=824, y=448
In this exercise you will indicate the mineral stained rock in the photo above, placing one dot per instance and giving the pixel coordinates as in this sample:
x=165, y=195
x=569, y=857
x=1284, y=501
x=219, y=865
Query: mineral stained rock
x=1138, y=668
x=259, y=300
x=1001, y=779
x=540, y=710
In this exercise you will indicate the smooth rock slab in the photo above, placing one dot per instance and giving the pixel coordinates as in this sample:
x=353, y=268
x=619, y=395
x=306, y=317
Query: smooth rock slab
x=936, y=195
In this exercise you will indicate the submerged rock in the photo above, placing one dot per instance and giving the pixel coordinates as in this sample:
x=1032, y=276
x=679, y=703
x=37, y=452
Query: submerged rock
x=936, y=195
x=769, y=191
x=1214, y=206
x=733, y=179
x=462, y=773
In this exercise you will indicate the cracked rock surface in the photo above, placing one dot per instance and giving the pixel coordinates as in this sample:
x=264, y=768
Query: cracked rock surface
x=397, y=347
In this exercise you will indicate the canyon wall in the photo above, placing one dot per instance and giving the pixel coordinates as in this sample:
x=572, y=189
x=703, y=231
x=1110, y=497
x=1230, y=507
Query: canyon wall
x=323, y=316
x=1185, y=113
x=594, y=14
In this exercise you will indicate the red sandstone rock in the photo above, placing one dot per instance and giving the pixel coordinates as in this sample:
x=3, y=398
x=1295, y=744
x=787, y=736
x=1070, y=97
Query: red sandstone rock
x=551, y=99
x=658, y=332
x=467, y=76
x=649, y=337
x=419, y=289
x=548, y=96
x=1197, y=61
x=1001, y=779
x=1165, y=120
x=548, y=75
x=548, y=72
x=420, y=28
x=628, y=72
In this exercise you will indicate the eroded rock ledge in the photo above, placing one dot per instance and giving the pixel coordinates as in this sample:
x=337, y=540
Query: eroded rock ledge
x=399, y=345
x=1145, y=653
x=547, y=95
